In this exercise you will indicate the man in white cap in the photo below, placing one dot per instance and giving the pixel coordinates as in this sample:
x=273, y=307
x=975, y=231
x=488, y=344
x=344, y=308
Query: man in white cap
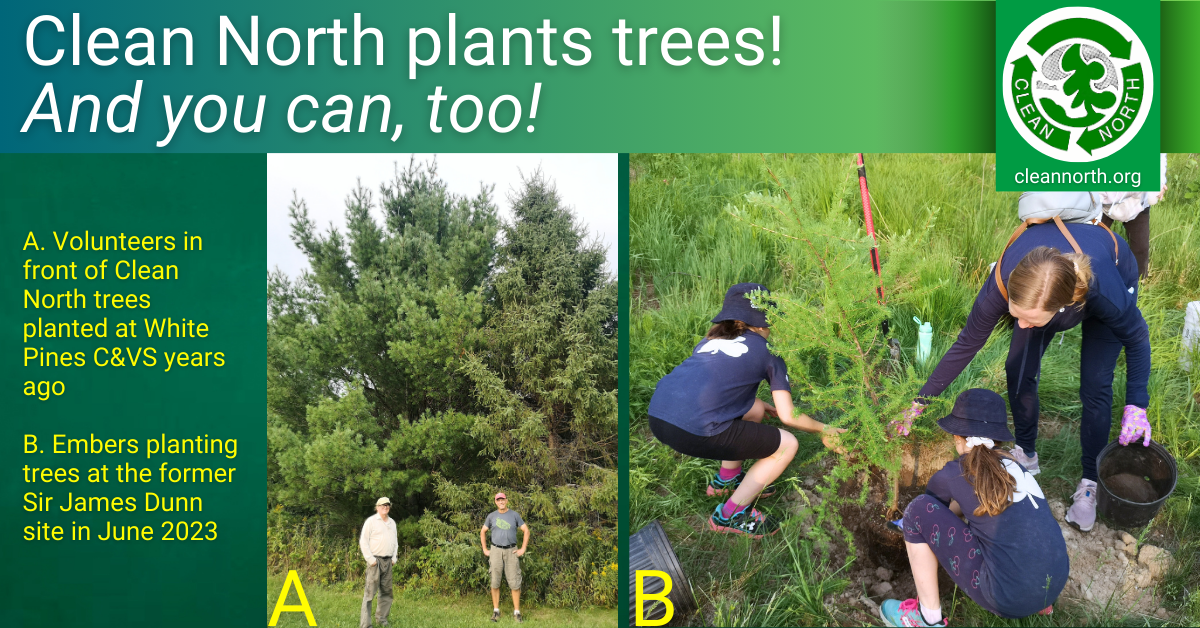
x=503, y=555
x=379, y=547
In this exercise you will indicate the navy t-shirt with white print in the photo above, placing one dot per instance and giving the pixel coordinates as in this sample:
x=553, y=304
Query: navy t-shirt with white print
x=1025, y=559
x=717, y=384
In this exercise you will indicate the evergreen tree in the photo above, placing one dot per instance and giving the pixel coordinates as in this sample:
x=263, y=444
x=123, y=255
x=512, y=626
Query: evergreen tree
x=547, y=379
x=364, y=394
x=420, y=360
x=826, y=323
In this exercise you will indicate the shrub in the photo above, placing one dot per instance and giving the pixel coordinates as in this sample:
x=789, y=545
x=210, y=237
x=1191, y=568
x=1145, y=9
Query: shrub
x=826, y=319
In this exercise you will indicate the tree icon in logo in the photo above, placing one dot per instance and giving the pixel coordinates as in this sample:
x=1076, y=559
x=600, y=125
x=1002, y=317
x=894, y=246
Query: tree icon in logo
x=1078, y=84
x=1080, y=76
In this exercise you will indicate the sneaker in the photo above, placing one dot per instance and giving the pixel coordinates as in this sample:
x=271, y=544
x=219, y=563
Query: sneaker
x=517, y=616
x=747, y=521
x=1082, y=514
x=495, y=615
x=906, y=613
x=721, y=488
x=1030, y=464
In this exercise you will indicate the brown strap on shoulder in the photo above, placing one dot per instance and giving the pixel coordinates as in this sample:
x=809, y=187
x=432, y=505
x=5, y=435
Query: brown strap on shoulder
x=1013, y=238
x=1116, y=251
x=1067, y=234
x=1037, y=221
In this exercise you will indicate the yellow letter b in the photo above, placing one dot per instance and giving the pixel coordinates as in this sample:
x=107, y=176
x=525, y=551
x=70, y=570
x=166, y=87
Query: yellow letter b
x=292, y=579
x=661, y=596
x=30, y=444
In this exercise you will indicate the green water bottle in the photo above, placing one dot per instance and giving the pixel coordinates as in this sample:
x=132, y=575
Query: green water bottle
x=924, y=340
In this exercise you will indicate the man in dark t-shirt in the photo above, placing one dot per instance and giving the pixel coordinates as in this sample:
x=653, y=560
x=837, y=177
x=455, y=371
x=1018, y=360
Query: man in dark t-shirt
x=503, y=553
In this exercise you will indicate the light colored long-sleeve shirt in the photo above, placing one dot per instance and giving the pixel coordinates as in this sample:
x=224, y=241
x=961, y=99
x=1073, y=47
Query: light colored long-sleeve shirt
x=1124, y=206
x=378, y=538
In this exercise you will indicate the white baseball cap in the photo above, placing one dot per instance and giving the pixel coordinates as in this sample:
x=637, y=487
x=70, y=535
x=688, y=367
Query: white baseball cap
x=383, y=501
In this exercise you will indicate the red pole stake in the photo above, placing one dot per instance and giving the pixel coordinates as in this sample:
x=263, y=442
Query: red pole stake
x=866, y=203
x=870, y=223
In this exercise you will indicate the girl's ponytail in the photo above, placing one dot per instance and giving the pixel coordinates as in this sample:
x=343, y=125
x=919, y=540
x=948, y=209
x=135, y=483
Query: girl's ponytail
x=993, y=484
x=726, y=330
x=1083, y=275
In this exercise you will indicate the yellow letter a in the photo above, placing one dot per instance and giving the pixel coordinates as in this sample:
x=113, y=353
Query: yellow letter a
x=292, y=579
x=661, y=596
x=30, y=241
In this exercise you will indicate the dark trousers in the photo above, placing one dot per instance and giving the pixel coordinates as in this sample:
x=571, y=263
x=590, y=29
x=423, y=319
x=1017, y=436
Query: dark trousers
x=1098, y=361
x=1137, y=234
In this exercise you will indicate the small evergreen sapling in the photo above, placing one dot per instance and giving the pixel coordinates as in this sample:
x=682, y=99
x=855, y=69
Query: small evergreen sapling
x=826, y=324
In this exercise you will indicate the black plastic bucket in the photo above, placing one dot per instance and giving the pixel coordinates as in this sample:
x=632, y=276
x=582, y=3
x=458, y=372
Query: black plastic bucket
x=1152, y=464
x=650, y=549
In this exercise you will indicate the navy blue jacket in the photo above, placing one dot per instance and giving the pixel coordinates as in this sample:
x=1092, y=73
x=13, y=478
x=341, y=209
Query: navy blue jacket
x=1112, y=298
x=1025, y=561
x=717, y=384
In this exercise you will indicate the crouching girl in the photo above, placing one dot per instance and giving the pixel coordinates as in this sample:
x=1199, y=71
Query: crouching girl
x=1009, y=556
x=707, y=407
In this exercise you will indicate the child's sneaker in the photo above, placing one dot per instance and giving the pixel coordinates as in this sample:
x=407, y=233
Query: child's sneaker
x=1082, y=513
x=722, y=488
x=1030, y=464
x=746, y=521
x=906, y=613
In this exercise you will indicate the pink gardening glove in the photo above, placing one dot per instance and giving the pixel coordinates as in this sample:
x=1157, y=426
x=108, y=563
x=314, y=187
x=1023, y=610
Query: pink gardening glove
x=1134, y=426
x=903, y=425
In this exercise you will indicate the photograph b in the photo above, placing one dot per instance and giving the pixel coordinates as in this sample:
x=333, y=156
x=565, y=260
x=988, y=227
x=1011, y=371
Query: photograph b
x=872, y=390
x=441, y=388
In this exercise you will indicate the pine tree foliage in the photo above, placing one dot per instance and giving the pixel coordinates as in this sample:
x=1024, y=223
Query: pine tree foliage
x=826, y=324
x=548, y=378
x=422, y=360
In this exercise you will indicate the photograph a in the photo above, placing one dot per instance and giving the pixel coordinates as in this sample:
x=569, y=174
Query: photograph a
x=871, y=390
x=442, y=389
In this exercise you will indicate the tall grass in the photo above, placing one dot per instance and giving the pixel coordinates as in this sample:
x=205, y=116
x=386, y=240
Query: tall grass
x=685, y=250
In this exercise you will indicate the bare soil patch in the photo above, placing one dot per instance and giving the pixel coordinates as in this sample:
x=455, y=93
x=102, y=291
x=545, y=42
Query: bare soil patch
x=1109, y=566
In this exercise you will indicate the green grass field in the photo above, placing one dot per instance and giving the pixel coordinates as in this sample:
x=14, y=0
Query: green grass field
x=686, y=249
x=338, y=607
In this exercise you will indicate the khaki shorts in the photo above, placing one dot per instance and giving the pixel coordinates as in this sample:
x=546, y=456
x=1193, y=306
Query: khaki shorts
x=505, y=561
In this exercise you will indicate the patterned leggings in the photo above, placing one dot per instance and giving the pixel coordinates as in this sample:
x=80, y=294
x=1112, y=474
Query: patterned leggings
x=927, y=520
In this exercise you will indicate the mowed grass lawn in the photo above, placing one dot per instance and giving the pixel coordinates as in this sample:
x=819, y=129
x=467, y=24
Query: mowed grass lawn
x=338, y=607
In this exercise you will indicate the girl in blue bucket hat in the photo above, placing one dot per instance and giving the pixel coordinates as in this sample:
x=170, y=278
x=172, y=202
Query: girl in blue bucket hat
x=707, y=407
x=984, y=519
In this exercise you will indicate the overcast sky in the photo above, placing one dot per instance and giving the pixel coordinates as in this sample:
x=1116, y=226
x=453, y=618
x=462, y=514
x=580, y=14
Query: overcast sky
x=587, y=183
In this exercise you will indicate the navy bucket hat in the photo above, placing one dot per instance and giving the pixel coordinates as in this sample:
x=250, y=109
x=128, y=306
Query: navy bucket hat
x=978, y=412
x=737, y=306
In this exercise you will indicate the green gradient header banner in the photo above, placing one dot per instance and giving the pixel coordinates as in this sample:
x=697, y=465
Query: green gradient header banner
x=700, y=76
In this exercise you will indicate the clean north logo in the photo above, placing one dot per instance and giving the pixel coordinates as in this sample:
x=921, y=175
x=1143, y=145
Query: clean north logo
x=1078, y=84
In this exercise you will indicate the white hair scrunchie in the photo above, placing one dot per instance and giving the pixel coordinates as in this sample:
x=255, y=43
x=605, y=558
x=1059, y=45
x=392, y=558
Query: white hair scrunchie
x=979, y=440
